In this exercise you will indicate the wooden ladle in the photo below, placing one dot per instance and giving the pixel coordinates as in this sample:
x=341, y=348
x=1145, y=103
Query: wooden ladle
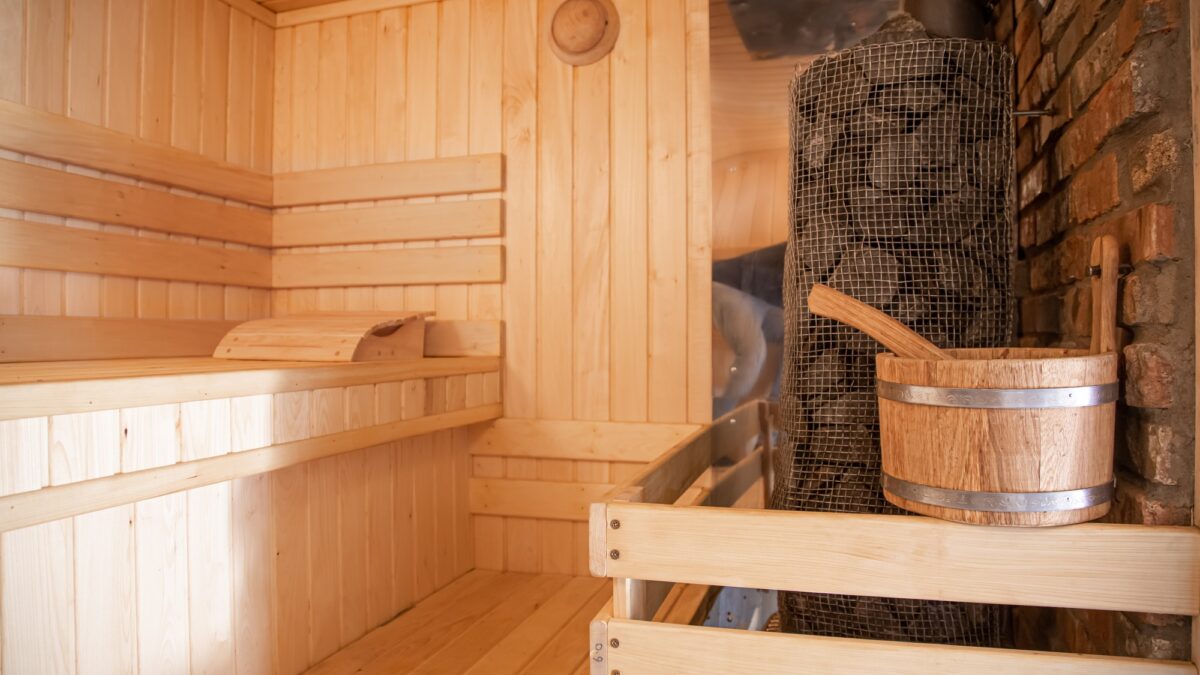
x=900, y=339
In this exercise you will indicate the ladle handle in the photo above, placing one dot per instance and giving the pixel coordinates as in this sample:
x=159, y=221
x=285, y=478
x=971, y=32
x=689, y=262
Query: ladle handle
x=1105, y=262
x=900, y=339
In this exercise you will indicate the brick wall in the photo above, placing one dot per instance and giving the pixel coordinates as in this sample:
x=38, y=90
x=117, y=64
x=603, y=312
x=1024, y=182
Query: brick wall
x=1113, y=157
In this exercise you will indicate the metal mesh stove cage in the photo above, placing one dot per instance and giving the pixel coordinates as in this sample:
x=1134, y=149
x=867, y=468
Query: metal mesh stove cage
x=901, y=197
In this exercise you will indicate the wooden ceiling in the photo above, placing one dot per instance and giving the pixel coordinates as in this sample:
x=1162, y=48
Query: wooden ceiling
x=288, y=5
x=749, y=97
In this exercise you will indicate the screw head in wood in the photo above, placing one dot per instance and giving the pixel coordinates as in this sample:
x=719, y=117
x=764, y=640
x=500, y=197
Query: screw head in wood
x=614, y=554
x=614, y=643
x=614, y=524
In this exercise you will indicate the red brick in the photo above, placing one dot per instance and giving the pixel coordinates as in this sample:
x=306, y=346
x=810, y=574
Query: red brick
x=1149, y=376
x=1148, y=296
x=1155, y=157
x=1028, y=54
x=1156, y=452
x=1144, y=17
x=1094, y=66
x=1078, y=29
x=1111, y=107
x=1093, y=192
x=1135, y=505
x=1149, y=232
x=1028, y=23
x=1060, y=14
x=1032, y=183
x=1027, y=227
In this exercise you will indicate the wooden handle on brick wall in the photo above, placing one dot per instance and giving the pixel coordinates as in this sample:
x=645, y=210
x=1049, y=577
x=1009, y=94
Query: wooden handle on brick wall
x=1105, y=264
x=831, y=304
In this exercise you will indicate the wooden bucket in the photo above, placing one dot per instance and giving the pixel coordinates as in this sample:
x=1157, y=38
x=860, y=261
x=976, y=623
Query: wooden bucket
x=999, y=436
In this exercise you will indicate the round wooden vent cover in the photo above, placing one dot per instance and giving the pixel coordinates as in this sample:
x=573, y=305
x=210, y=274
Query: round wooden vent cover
x=583, y=31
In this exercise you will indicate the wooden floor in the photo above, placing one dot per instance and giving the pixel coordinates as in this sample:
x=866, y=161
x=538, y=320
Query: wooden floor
x=485, y=622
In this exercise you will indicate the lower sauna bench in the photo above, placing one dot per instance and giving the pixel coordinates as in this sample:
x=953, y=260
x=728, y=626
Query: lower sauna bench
x=485, y=623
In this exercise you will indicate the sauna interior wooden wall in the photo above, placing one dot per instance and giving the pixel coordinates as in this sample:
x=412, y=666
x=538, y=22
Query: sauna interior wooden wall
x=171, y=167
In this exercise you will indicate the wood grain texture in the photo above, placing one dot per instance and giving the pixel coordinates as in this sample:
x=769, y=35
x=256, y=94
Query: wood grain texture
x=34, y=188
x=35, y=132
x=881, y=555
x=591, y=441
x=458, y=264
x=30, y=390
x=900, y=339
x=655, y=647
x=151, y=474
x=49, y=247
x=750, y=201
x=1000, y=450
x=540, y=499
x=462, y=175
x=404, y=222
x=343, y=337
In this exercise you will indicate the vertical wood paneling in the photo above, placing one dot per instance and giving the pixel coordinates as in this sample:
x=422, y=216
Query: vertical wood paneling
x=520, y=123
x=45, y=61
x=37, y=599
x=331, y=86
x=205, y=431
x=158, y=22
x=124, y=83
x=391, y=50
x=216, y=79
x=667, y=138
x=188, y=63
x=360, y=90
x=252, y=578
x=12, y=50
x=327, y=417
x=262, y=87
x=629, y=202
x=105, y=599
x=160, y=553
x=554, y=236
x=85, y=61
x=240, y=125
x=289, y=514
x=699, y=214
x=590, y=244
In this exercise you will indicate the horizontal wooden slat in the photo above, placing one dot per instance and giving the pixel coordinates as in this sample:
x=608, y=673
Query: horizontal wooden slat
x=462, y=338
x=30, y=131
x=534, y=498
x=421, y=178
x=1091, y=566
x=67, y=249
x=730, y=437
x=403, y=222
x=26, y=187
x=645, y=647
x=448, y=265
x=41, y=506
x=334, y=10
x=597, y=441
x=37, y=389
x=61, y=338
x=56, y=338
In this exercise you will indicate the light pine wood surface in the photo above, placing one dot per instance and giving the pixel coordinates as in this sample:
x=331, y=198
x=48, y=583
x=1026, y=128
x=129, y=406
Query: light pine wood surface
x=235, y=568
x=1000, y=450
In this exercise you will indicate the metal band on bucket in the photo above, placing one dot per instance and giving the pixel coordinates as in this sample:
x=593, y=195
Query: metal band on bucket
x=999, y=502
x=952, y=397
